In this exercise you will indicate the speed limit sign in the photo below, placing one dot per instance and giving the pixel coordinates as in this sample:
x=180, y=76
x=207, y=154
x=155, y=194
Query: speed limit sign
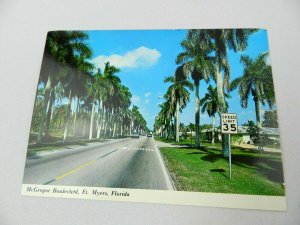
x=229, y=126
x=229, y=123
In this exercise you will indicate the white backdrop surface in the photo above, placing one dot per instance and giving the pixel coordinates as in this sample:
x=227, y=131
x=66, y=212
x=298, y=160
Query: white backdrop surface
x=23, y=28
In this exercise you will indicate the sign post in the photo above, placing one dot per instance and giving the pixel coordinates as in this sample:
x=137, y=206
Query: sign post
x=229, y=126
x=229, y=156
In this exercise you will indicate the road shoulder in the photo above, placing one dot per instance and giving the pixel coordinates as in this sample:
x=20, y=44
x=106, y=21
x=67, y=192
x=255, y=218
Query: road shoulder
x=167, y=175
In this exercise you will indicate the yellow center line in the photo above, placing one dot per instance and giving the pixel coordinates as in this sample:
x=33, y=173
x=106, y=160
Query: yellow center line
x=74, y=170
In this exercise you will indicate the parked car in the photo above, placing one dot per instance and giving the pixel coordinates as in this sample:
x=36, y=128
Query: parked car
x=149, y=135
x=135, y=136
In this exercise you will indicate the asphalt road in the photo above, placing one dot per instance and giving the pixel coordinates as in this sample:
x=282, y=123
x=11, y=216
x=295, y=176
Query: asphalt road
x=124, y=163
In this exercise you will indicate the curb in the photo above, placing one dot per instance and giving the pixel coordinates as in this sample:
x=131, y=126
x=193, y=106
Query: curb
x=168, y=178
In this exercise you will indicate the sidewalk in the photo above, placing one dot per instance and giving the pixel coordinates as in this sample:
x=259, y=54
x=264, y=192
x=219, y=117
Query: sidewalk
x=161, y=144
x=253, y=147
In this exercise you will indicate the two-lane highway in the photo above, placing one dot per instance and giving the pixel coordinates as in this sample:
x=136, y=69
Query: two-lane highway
x=124, y=163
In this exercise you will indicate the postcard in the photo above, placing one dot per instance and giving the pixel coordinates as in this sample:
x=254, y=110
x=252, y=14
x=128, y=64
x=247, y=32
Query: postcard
x=182, y=116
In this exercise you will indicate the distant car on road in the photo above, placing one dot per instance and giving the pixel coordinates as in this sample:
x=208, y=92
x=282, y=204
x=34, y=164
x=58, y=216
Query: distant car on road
x=149, y=135
x=135, y=136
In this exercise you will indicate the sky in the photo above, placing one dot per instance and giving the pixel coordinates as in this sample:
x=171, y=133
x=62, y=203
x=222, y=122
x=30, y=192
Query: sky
x=146, y=57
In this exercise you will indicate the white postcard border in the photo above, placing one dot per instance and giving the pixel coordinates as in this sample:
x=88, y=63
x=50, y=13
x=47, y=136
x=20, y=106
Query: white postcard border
x=276, y=203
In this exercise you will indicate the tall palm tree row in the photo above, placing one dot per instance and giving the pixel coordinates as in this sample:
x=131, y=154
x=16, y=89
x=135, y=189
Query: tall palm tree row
x=138, y=123
x=205, y=56
x=61, y=50
x=163, y=121
x=72, y=99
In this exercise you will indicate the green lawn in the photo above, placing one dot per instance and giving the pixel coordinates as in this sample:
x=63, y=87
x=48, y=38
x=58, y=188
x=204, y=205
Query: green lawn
x=206, y=170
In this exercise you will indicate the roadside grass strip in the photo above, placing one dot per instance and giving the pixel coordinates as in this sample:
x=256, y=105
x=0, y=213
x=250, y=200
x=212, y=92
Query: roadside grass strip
x=205, y=170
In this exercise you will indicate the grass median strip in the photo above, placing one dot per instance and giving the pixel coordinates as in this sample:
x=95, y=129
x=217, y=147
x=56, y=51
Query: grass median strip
x=206, y=170
x=33, y=148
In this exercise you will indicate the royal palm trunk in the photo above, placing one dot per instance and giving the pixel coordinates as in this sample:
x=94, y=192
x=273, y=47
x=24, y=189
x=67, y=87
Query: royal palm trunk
x=84, y=127
x=222, y=106
x=99, y=120
x=75, y=116
x=197, y=114
x=92, y=121
x=177, y=121
x=257, y=112
x=213, y=130
x=48, y=89
x=67, y=117
x=49, y=112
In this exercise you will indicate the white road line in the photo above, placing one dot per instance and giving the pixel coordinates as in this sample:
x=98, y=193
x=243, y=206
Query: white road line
x=168, y=179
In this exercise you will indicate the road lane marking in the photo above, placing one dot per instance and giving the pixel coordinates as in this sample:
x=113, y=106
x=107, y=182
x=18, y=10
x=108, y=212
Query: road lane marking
x=50, y=181
x=77, y=168
x=143, y=149
x=74, y=170
x=107, y=154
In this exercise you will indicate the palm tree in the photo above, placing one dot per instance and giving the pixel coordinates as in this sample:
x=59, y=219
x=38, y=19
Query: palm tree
x=159, y=123
x=210, y=104
x=165, y=117
x=38, y=104
x=86, y=108
x=257, y=80
x=119, y=102
x=178, y=94
x=94, y=92
x=222, y=40
x=124, y=103
x=197, y=62
x=76, y=78
x=58, y=116
x=60, y=48
x=100, y=90
x=126, y=122
x=110, y=75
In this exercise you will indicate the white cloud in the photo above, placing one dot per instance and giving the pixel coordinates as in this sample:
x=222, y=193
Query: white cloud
x=147, y=94
x=139, y=57
x=144, y=112
x=135, y=100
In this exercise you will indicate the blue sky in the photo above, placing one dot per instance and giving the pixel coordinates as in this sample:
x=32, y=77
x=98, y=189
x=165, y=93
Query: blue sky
x=146, y=57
